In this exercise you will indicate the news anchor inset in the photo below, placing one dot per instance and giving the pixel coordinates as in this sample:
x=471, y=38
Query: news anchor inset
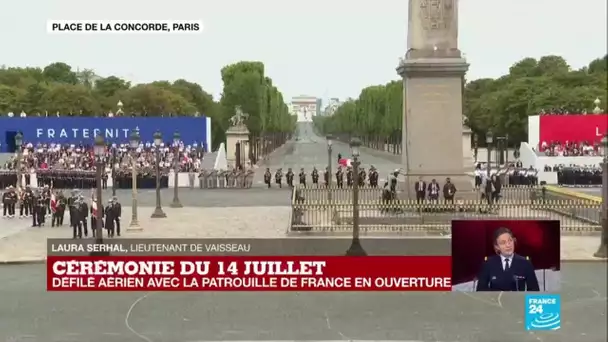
x=506, y=271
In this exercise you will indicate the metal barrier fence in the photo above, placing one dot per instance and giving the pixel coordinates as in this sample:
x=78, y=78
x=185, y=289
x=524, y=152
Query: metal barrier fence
x=331, y=211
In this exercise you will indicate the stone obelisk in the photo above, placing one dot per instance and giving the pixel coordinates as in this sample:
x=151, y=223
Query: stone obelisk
x=433, y=71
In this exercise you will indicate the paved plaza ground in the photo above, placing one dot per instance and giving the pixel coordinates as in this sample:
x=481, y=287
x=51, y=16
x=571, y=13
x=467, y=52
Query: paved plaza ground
x=28, y=313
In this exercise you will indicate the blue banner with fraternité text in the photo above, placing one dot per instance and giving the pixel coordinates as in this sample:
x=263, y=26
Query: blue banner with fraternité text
x=76, y=130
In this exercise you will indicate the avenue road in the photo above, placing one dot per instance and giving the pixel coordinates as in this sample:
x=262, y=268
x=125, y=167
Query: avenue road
x=310, y=150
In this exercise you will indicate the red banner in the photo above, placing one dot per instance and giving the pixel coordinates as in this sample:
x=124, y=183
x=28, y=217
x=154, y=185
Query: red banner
x=332, y=273
x=575, y=128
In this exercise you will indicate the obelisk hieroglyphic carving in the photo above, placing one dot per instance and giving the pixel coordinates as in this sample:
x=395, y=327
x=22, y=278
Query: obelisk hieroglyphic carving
x=432, y=71
x=433, y=26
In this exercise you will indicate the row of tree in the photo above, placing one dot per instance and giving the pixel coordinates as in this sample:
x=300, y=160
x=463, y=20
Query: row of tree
x=501, y=105
x=57, y=88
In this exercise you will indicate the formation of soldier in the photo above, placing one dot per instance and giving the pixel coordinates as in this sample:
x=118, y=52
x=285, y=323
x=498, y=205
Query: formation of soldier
x=40, y=204
x=235, y=178
x=35, y=203
x=340, y=175
x=80, y=211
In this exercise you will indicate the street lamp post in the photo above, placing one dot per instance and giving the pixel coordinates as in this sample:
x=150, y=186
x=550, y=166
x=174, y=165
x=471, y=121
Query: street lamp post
x=330, y=139
x=507, y=150
x=158, y=140
x=113, y=171
x=176, y=141
x=602, y=251
x=489, y=140
x=355, y=248
x=100, y=154
x=134, y=144
x=18, y=144
x=475, y=147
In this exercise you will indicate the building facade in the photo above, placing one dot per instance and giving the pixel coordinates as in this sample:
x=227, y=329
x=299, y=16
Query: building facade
x=305, y=107
x=332, y=106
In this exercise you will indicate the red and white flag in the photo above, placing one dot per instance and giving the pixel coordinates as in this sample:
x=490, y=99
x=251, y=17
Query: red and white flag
x=94, y=208
x=344, y=162
x=53, y=203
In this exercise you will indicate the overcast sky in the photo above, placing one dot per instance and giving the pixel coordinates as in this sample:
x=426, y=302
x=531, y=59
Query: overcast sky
x=321, y=48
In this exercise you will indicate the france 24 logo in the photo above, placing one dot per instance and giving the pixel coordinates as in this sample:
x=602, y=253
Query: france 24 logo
x=543, y=312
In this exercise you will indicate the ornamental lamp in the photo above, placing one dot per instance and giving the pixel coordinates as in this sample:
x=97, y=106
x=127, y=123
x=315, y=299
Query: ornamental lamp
x=489, y=137
x=134, y=139
x=330, y=139
x=18, y=139
x=100, y=146
x=354, y=146
x=158, y=138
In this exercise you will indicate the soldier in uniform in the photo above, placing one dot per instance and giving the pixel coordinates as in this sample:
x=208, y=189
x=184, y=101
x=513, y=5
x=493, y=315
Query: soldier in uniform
x=240, y=179
x=25, y=209
x=531, y=174
x=104, y=179
x=231, y=178
x=9, y=198
x=96, y=211
x=58, y=209
x=315, y=176
x=116, y=214
x=46, y=196
x=249, y=178
x=202, y=179
x=387, y=197
x=362, y=176
x=278, y=177
x=349, y=177
x=75, y=207
x=108, y=214
x=222, y=178
x=212, y=179
x=340, y=178
x=302, y=177
x=267, y=177
x=373, y=177
x=289, y=176
x=83, y=215
x=39, y=210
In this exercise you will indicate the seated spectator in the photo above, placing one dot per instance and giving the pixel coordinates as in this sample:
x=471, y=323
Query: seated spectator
x=562, y=111
x=80, y=157
x=569, y=149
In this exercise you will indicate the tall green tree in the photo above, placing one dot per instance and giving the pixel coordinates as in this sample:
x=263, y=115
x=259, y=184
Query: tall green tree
x=501, y=105
x=58, y=88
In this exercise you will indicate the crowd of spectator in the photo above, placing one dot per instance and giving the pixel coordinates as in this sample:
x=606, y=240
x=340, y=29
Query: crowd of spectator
x=563, y=111
x=81, y=157
x=577, y=175
x=108, y=114
x=570, y=149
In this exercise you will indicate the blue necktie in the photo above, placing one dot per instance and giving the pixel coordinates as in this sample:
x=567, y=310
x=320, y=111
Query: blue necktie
x=506, y=264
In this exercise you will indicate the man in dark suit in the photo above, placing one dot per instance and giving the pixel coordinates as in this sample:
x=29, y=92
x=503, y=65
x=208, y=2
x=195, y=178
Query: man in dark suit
x=420, y=188
x=506, y=271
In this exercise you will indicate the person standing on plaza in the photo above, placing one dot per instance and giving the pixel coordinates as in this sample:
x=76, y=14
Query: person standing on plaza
x=116, y=214
x=108, y=214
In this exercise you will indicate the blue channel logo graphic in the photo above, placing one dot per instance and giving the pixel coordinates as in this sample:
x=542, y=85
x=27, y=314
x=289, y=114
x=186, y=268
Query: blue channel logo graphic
x=543, y=312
